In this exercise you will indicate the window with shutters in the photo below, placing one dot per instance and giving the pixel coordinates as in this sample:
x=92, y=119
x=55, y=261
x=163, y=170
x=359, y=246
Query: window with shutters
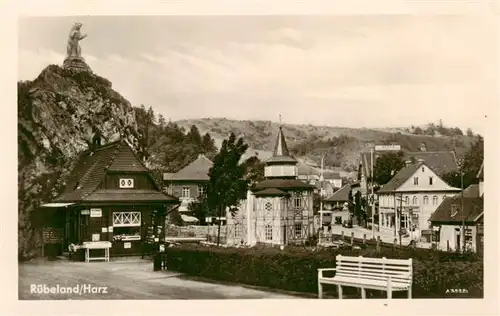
x=126, y=183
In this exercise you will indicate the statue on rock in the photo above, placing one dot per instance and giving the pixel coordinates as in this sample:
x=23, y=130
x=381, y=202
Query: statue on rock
x=74, y=59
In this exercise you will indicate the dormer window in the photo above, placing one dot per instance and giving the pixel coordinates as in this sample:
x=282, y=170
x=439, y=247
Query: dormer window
x=415, y=181
x=126, y=183
x=454, y=210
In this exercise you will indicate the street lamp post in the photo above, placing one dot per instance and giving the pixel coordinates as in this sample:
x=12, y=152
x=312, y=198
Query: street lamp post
x=462, y=204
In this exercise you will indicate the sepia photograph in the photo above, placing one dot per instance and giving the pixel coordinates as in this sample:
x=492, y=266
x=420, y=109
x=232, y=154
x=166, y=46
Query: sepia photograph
x=211, y=157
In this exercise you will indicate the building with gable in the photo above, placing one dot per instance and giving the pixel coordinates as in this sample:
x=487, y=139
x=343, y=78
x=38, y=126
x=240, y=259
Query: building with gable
x=408, y=200
x=189, y=183
x=459, y=219
x=277, y=210
x=441, y=162
x=109, y=196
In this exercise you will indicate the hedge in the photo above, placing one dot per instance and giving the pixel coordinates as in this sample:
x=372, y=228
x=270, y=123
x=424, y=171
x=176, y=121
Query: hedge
x=296, y=270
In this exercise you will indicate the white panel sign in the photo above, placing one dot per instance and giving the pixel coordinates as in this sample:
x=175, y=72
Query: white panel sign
x=127, y=245
x=387, y=147
x=96, y=237
x=95, y=212
x=104, y=230
x=110, y=229
x=85, y=212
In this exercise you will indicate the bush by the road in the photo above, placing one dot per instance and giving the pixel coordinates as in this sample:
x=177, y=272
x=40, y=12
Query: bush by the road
x=296, y=270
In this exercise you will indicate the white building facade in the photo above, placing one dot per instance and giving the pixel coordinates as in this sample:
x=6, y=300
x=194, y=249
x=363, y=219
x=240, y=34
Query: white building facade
x=409, y=199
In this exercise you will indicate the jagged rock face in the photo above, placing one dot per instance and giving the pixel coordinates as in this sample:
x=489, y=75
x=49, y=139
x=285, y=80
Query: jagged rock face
x=58, y=113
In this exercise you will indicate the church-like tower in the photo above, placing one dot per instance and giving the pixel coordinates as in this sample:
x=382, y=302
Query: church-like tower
x=277, y=210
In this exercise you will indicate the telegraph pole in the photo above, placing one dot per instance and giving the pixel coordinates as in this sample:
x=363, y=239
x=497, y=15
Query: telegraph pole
x=321, y=201
x=462, y=204
x=372, y=199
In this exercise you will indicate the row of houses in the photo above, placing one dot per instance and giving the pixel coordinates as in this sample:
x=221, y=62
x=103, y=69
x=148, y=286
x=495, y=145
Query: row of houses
x=111, y=196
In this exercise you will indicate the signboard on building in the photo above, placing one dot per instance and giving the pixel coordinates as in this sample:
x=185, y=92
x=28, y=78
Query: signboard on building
x=95, y=212
x=387, y=147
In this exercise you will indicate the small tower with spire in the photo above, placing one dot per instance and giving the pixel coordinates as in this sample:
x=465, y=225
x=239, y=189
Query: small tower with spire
x=281, y=165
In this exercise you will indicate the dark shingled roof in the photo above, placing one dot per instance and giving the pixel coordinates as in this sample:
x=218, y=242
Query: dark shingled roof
x=281, y=153
x=93, y=165
x=440, y=161
x=196, y=170
x=342, y=195
x=331, y=175
x=120, y=195
x=472, y=209
x=304, y=169
x=401, y=177
x=282, y=184
x=471, y=191
x=270, y=192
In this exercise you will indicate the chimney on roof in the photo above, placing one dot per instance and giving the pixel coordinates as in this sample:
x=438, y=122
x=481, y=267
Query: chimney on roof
x=420, y=160
x=407, y=163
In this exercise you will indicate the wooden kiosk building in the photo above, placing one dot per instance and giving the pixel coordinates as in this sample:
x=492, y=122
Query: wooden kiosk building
x=111, y=202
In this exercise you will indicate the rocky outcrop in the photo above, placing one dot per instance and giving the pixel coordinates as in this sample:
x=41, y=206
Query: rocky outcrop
x=58, y=113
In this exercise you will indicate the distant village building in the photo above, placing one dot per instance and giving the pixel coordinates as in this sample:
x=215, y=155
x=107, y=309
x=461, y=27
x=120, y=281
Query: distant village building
x=279, y=209
x=408, y=200
x=460, y=210
x=189, y=183
x=307, y=173
x=441, y=162
x=333, y=178
x=337, y=206
x=110, y=197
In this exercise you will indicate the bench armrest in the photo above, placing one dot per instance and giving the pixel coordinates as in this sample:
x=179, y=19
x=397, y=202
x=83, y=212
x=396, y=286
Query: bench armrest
x=320, y=271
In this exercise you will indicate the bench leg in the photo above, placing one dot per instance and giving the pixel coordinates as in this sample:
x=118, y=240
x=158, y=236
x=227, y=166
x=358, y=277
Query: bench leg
x=363, y=293
x=320, y=290
x=339, y=289
x=389, y=293
x=409, y=292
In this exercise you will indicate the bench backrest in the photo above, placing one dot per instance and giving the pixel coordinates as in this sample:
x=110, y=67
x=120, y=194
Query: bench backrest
x=400, y=270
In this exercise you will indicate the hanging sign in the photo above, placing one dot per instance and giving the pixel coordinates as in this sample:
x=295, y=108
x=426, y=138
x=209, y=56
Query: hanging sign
x=110, y=229
x=387, y=147
x=95, y=212
x=127, y=245
x=104, y=230
x=96, y=237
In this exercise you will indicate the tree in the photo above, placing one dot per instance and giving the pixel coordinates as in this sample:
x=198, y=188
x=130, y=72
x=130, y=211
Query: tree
x=162, y=122
x=227, y=185
x=350, y=203
x=469, y=166
x=208, y=145
x=254, y=170
x=358, y=210
x=200, y=209
x=418, y=131
x=194, y=135
x=386, y=166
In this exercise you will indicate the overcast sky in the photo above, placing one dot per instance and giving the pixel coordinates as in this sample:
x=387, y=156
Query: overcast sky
x=354, y=71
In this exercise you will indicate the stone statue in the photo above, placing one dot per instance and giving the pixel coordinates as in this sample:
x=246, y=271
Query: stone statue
x=74, y=49
x=74, y=60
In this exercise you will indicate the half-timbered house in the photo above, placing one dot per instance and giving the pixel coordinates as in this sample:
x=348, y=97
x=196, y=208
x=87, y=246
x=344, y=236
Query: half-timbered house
x=277, y=210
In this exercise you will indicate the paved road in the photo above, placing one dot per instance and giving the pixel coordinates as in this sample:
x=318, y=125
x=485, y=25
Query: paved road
x=129, y=279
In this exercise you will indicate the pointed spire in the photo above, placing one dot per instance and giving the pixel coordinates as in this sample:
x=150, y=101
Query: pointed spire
x=281, y=153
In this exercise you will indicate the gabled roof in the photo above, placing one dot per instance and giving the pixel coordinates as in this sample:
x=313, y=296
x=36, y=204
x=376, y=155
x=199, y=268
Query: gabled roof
x=280, y=152
x=342, y=195
x=440, y=161
x=450, y=210
x=401, y=177
x=331, y=175
x=472, y=191
x=93, y=165
x=196, y=171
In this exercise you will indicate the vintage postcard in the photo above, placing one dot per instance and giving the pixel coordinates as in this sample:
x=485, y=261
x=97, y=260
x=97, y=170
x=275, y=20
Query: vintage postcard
x=336, y=156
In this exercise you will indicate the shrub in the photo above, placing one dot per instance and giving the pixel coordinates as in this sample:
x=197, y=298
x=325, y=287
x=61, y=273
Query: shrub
x=295, y=269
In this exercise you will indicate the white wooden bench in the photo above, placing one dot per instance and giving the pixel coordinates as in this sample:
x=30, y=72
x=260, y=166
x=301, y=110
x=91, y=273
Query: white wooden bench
x=383, y=274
